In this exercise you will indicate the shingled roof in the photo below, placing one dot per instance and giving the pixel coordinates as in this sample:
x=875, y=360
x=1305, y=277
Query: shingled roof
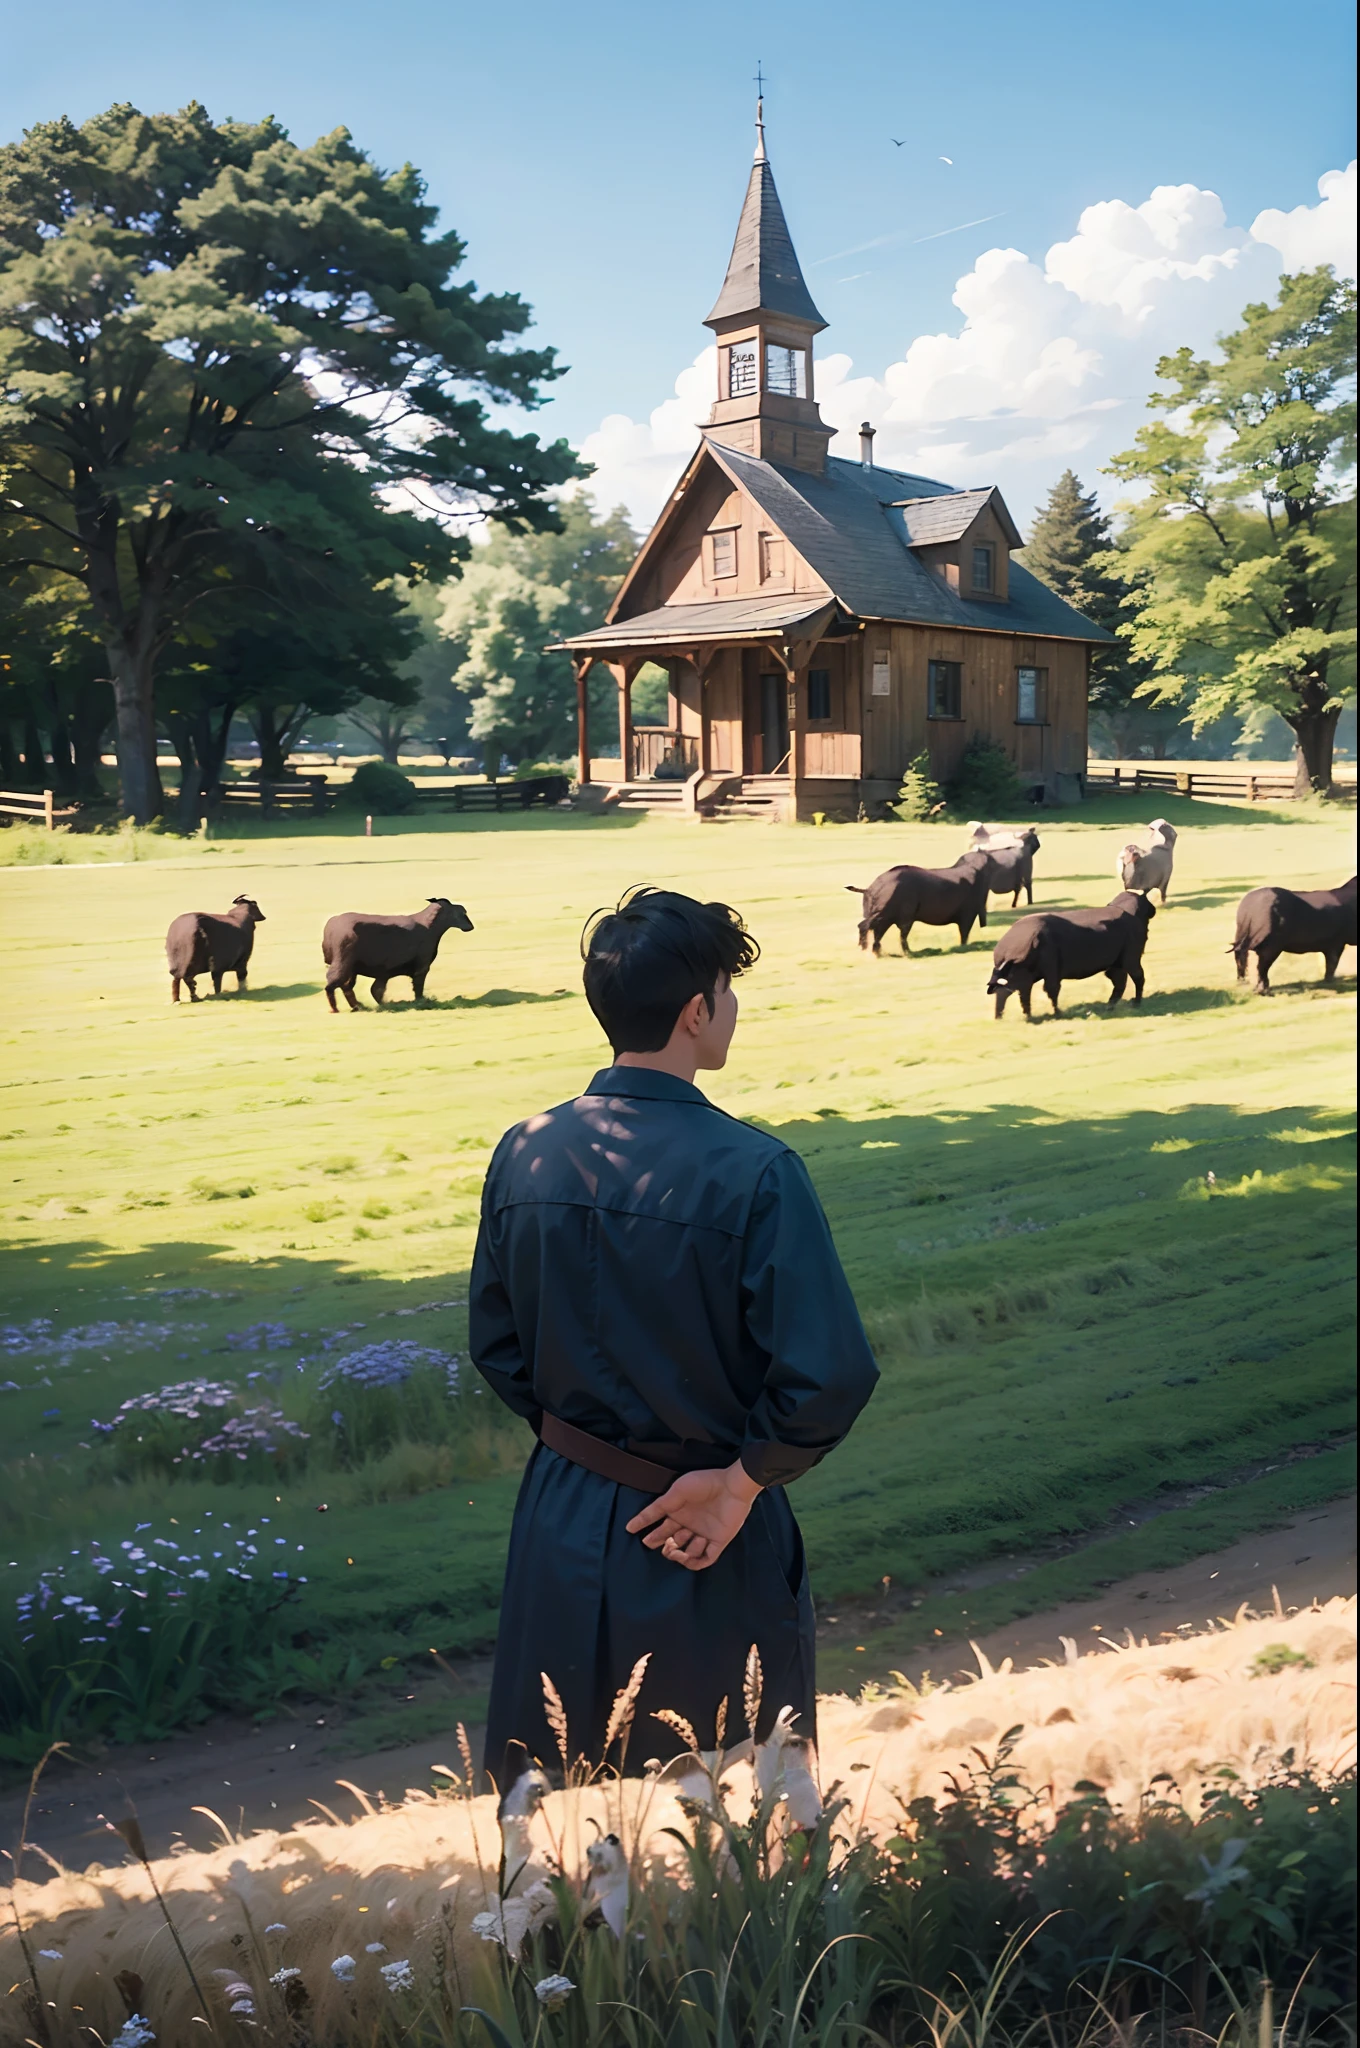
x=927, y=522
x=763, y=272
x=842, y=524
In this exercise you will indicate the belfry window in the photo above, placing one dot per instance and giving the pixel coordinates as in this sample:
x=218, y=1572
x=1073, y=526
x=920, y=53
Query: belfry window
x=741, y=370
x=784, y=372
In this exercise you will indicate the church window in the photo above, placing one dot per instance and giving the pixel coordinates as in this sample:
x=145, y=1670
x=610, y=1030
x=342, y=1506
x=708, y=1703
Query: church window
x=1031, y=696
x=741, y=370
x=723, y=552
x=784, y=371
x=771, y=556
x=819, y=696
x=944, y=695
x=982, y=569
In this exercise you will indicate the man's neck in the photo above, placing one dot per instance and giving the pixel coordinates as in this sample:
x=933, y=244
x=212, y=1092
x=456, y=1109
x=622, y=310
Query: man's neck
x=678, y=1060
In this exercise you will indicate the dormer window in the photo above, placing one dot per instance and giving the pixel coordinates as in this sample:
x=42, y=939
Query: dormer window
x=784, y=371
x=742, y=378
x=771, y=557
x=983, y=571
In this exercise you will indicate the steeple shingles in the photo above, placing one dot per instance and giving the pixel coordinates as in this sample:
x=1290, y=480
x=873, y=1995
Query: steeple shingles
x=763, y=274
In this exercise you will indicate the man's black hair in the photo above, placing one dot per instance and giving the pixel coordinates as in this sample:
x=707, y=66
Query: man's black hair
x=648, y=958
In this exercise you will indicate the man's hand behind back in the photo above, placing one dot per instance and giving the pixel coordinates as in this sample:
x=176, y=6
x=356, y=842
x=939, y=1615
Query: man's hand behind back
x=695, y=1519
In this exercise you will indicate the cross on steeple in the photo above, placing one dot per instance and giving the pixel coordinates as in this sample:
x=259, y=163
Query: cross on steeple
x=760, y=113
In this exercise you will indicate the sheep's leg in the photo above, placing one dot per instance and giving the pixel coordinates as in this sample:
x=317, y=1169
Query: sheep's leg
x=904, y=934
x=1138, y=978
x=1331, y=960
x=330, y=998
x=1002, y=995
x=189, y=984
x=1052, y=989
x=418, y=975
x=174, y=987
x=1266, y=956
x=1164, y=886
x=1117, y=978
x=1026, y=997
x=240, y=979
x=378, y=991
x=216, y=973
x=1241, y=954
x=347, y=991
x=864, y=939
x=965, y=929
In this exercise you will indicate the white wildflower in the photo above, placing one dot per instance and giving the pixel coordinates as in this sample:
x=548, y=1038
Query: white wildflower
x=375, y=1948
x=488, y=1926
x=342, y=1969
x=398, y=1976
x=50, y=1955
x=244, y=2006
x=286, y=1975
x=552, y=1993
x=276, y=1927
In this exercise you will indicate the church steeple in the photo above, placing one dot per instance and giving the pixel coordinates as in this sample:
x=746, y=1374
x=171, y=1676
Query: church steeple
x=765, y=320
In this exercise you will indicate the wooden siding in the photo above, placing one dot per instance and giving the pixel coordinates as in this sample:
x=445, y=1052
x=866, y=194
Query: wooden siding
x=677, y=572
x=896, y=728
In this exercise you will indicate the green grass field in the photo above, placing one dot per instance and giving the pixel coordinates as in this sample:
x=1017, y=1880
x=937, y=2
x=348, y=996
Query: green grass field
x=1070, y=1317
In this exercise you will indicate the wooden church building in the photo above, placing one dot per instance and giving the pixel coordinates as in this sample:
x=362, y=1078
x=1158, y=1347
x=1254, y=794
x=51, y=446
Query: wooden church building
x=822, y=621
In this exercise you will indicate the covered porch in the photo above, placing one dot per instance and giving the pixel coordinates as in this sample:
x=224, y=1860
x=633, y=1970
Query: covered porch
x=763, y=710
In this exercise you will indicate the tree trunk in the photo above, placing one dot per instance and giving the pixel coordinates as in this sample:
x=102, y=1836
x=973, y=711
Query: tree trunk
x=139, y=778
x=89, y=723
x=1314, y=737
x=59, y=736
x=269, y=732
x=9, y=760
x=35, y=760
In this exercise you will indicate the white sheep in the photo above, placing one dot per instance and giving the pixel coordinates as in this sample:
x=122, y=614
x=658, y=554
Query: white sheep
x=1148, y=867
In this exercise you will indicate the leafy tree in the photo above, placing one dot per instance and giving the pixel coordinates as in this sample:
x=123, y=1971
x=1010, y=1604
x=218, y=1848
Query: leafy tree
x=226, y=361
x=520, y=593
x=1072, y=550
x=54, y=691
x=1245, y=529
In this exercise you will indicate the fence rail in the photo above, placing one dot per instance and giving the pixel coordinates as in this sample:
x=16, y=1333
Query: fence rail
x=302, y=793
x=35, y=807
x=1245, y=785
x=525, y=795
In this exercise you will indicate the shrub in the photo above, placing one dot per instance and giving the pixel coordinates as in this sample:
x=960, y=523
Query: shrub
x=985, y=781
x=920, y=795
x=377, y=788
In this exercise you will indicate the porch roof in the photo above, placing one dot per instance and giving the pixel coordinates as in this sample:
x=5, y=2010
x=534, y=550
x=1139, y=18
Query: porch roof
x=684, y=625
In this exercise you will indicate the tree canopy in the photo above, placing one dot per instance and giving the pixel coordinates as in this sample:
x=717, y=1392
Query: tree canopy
x=1243, y=532
x=236, y=374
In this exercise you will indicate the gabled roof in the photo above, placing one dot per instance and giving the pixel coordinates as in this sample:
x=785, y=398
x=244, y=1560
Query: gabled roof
x=763, y=274
x=841, y=524
x=927, y=522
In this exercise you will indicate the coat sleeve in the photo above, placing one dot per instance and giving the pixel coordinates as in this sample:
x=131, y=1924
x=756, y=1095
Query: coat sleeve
x=493, y=1338
x=799, y=1310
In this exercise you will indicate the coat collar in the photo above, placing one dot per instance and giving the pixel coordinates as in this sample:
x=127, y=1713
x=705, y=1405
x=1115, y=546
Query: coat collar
x=646, y=1082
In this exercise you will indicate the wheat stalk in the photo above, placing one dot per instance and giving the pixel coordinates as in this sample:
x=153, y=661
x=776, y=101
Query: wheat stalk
x=720, y=1726
x=625, y=1702
x=557, y=1718
x=465, y=1757
x=751, y=1691
x=679, y=1724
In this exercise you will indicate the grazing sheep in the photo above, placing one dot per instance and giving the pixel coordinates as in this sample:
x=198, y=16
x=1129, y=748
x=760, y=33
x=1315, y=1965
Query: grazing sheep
x=1012, y=865
x=906, y=896
x=1072, y=945
x=204, y=942
x=1149, y=867
x=1275, y=921
x=356, y=943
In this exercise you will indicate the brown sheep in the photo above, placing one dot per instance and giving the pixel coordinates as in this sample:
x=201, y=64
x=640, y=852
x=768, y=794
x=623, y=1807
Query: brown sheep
x=906, y=896
x=1070, y=945
x=1275, y=921
x=356, y=943
x=204, y=942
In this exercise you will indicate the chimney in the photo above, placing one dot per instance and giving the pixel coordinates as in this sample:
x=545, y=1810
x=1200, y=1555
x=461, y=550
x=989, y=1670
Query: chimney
x=866, y=446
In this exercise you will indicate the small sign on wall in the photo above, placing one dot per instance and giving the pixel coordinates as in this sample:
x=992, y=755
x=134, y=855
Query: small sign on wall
x=882, y=676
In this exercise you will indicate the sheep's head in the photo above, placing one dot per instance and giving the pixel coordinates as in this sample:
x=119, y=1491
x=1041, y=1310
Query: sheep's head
x=450, y=916
x=254, y=914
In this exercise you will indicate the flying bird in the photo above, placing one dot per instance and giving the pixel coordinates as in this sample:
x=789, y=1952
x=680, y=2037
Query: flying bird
x=896, y=144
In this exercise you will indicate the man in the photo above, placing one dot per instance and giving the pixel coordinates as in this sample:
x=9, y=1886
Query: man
x=656, y=1291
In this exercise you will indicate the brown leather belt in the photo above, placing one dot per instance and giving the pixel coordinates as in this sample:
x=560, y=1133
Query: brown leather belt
x=623, y=1467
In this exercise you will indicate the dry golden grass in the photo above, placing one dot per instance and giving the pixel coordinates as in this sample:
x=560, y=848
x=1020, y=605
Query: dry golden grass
x=413, y=1874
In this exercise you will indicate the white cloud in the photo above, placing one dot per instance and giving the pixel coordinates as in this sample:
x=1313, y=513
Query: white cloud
x=1053, y=361
x=1310, y=235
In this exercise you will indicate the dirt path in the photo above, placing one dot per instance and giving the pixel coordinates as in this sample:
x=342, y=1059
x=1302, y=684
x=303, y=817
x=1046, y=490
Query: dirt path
x=280, y=1773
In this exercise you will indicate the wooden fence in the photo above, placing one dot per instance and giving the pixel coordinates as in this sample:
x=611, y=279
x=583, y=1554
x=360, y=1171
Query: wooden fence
x=300, y=793
x=35, y=807
x=1242, y=785
x=525, y=795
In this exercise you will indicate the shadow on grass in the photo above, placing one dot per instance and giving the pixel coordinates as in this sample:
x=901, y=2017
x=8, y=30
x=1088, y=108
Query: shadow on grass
x=1179, y=1002
x=490, y=999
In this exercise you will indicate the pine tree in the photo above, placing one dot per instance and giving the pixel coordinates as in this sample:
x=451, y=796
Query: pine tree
x=1070, y=549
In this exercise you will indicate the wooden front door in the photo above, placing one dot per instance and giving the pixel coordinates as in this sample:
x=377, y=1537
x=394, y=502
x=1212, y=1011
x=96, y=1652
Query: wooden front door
x=774, y=722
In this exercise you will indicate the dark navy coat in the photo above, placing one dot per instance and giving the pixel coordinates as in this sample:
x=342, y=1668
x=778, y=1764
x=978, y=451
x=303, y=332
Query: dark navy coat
x=662, y=1275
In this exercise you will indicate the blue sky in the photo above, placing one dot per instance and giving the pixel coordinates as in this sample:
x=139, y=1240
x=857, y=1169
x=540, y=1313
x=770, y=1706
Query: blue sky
x=594, y=157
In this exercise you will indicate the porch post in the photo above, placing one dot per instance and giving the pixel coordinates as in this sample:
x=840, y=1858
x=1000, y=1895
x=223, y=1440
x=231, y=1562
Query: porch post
x=705, y=731
x=623, y=673
x=583, y=666
x=797, y=674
